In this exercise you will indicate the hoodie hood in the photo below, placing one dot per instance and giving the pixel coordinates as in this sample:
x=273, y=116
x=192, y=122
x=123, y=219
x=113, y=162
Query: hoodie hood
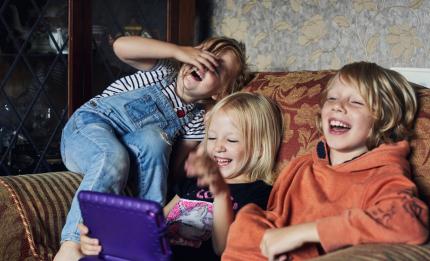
x=383, y=155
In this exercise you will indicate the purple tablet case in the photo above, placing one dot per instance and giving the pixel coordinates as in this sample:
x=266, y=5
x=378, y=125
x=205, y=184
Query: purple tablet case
x=127, y=228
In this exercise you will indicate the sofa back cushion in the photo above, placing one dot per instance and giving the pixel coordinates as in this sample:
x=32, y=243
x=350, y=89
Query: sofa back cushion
x=298, y=96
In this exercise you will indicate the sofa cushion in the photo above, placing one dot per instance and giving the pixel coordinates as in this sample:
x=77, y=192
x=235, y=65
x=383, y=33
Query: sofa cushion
x=32, y=213
x=420, y=155
x=379, y=252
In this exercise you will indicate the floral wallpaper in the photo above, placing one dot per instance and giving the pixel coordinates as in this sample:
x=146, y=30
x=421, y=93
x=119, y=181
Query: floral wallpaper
x=283, y=35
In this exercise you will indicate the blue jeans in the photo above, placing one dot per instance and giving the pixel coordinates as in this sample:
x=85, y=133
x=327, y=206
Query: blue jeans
x=108, y=138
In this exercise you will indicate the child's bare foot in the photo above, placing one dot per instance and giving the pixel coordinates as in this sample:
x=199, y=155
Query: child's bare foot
x=69, y=251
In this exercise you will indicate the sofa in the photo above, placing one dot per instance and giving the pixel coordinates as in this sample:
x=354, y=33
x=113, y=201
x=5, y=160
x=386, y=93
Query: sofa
x=33, y=207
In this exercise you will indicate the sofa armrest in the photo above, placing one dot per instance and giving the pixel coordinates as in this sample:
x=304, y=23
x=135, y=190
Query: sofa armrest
x=379, y=252
x=33, y=209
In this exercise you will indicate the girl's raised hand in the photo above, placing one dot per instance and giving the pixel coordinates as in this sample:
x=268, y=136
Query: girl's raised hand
x=89, y=246
x=200, y=165
x=197, y=57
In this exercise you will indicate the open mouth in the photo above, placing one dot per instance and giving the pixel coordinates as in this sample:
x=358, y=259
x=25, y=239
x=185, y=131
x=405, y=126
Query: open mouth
x=196, y=75
x=339, y=126
x=222, y=161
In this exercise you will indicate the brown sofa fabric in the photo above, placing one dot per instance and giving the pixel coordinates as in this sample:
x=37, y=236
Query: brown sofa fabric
x=420, y=155
x=33, y=207
x=34, y=215
x=380, y=252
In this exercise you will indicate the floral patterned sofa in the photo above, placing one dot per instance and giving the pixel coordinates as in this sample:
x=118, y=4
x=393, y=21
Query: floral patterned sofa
x=33, y=207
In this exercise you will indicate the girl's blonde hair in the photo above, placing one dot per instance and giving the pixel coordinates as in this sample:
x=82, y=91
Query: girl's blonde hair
x=388, y=95
x=260, y=122
x=220, y=44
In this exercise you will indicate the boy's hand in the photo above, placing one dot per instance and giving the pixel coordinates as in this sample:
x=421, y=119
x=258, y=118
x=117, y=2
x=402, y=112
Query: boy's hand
x=200, y=165
x=278, y=241
x=199, y=58
x=89, y=246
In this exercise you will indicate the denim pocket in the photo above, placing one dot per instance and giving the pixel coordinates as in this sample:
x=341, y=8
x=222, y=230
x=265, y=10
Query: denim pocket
x=85, y=118
x=144, y=111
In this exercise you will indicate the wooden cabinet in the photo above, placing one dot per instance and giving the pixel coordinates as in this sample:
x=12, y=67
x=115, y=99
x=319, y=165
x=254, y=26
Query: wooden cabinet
x=55, y=55
x=178, y=16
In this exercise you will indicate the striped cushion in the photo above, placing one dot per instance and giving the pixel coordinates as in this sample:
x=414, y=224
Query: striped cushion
x=381, y=252
x=32, y=213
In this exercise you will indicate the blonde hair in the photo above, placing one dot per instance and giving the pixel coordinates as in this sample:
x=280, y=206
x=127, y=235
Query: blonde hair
x=220, y=44
x=388, y=95
x=260, y=122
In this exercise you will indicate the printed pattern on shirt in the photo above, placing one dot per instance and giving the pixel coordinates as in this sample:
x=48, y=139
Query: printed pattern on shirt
x=190, y=223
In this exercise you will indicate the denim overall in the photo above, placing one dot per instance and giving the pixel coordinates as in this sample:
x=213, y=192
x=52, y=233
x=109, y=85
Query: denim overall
x=107, y=136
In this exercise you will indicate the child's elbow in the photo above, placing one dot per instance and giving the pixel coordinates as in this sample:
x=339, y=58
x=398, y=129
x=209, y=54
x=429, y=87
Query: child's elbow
x=218, y=252
x=218, y=248
x=420, y=237
x=116, y=44
x=413, y=233
x=416, y=230
x=119, y=47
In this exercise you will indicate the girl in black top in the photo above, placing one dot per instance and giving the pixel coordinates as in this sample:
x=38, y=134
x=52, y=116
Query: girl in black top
x=231, y=168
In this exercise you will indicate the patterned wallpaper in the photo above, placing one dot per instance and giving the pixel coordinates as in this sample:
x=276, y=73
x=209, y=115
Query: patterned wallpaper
x=291, y=35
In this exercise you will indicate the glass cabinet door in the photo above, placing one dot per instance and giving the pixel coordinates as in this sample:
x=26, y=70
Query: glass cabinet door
x=33, y=84
x=112, y=19
x=95, y=24
x=45, y=75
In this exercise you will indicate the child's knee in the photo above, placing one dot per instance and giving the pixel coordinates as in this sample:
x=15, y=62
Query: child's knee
x=114, y=166
x=151, y=142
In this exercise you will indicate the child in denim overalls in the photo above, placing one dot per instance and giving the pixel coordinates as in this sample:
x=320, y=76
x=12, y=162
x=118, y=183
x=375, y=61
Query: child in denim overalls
x=134, y=122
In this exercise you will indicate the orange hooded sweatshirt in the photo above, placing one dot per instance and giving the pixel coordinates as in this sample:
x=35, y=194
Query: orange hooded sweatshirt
x=369, y=199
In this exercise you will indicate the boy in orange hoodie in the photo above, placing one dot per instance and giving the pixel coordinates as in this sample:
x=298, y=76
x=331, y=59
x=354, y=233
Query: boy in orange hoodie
x=354, y=188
